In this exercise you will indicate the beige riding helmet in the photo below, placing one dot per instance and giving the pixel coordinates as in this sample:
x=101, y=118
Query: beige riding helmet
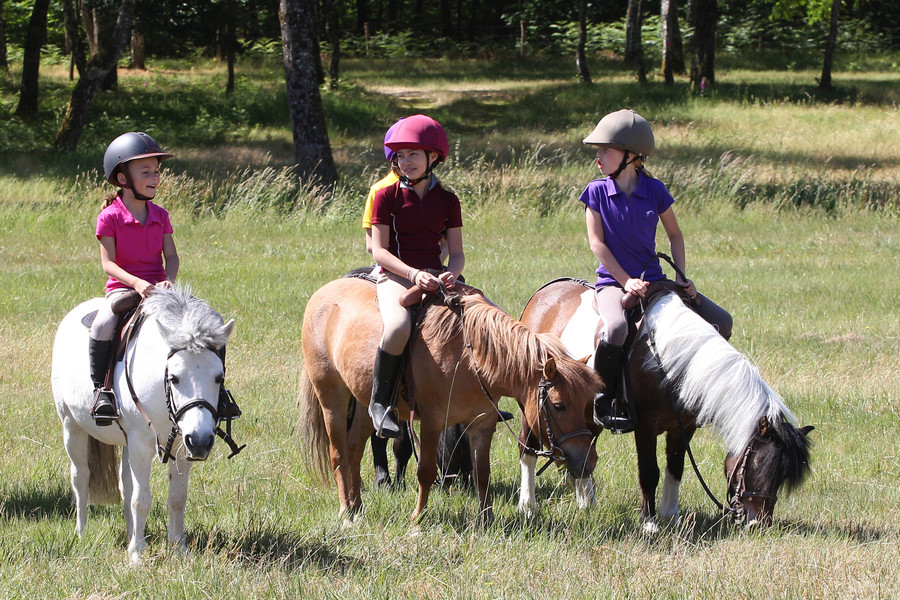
x=623, y=130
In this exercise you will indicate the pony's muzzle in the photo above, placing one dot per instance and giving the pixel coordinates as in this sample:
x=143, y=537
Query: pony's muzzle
x=198, y=445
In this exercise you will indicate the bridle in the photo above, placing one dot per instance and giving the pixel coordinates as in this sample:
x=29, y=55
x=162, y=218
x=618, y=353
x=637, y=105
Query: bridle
x=164, y=453
x=738, y=479
x=555, y=452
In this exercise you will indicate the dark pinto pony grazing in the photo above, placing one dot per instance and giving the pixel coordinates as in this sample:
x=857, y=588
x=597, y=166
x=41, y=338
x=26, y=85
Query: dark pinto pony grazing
x=680, y=369
x=455, y=352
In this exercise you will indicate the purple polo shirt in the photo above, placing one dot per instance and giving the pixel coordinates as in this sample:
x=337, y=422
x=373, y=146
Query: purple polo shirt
x=629, y=225
x=416, y=224
x=138, y=247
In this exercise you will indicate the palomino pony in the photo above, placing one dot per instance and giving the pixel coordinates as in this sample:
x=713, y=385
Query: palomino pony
x=166, y=386
x=462, y=358
x=684, y=375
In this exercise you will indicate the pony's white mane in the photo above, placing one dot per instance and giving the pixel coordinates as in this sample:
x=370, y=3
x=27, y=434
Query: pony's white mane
x=713, y=380
x=189, y=322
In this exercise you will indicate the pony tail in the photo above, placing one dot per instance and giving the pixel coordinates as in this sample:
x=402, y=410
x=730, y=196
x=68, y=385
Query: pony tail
x=639, y=166
x=109, y=199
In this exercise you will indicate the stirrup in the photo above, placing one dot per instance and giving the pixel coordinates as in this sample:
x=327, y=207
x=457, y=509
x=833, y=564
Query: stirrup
x=608, y=415
x=105, y=409
x=386, y=425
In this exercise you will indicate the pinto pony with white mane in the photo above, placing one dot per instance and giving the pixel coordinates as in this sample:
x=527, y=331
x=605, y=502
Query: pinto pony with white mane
x=684, y=375
x=167, y=384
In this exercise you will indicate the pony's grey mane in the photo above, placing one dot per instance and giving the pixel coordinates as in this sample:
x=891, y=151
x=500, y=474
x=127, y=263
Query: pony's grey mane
x=190, y=323
x=713, y=380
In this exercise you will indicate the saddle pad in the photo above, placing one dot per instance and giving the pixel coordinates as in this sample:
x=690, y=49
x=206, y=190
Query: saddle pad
x=578, y=336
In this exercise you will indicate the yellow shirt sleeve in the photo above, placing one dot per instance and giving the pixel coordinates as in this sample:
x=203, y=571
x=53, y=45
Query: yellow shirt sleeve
x=389, y=179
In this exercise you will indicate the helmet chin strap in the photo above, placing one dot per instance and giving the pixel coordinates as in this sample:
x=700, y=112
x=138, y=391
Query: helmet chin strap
x=426, y=175
x=625, y=163
x=130, y=186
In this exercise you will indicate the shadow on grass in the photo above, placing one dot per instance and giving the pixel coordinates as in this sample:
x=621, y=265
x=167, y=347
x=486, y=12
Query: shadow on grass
x=37, y=504
x=287, y=550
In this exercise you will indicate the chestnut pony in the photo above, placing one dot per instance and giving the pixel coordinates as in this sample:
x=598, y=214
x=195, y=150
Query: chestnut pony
x=683, y=375
x=463, y=357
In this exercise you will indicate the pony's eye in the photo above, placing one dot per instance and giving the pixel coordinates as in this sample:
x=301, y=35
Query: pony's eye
x=173, y=380
x=559, y=406
x=220, y=379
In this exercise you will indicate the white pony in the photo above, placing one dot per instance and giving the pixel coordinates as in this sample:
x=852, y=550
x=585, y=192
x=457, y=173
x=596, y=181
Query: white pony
x=167, y=384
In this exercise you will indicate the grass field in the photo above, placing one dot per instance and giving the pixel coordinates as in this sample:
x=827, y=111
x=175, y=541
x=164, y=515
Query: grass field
x=806, y=270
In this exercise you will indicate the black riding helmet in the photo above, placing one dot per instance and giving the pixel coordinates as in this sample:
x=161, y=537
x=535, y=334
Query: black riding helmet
x=127, y=147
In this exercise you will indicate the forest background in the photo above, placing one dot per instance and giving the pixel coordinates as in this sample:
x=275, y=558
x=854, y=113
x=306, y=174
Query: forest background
x=787, y=192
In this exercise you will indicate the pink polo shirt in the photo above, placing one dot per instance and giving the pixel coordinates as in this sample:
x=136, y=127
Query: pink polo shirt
x=138, y=247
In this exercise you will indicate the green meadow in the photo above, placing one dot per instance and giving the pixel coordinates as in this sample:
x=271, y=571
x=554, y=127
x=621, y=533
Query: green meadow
x=788, y=198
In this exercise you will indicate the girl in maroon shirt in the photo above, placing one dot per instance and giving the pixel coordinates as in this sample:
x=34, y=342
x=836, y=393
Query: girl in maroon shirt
x=409, y=219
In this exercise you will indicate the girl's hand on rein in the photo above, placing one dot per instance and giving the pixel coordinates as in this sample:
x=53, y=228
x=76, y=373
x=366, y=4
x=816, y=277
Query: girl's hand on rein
x=635, y=286
x=689, y=288
x=426, y=281
x=448, y=280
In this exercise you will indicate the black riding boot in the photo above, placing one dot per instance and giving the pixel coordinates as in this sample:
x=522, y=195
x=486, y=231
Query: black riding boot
x=610, y=411
x=228, y=408
x=105, y=409
x=381, y=407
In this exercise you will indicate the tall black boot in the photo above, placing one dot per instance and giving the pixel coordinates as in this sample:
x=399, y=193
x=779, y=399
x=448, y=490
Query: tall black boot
x=609, y=411
x=384, y=381
x=105, y=409
x=228, y=408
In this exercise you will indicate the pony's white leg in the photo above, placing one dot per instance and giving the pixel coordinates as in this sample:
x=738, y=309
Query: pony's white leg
x=668, y=502
x=139, y=503
x=127, y=489
x=179, y=469
x=584, y=492
x=527, y=501
x=76, y=444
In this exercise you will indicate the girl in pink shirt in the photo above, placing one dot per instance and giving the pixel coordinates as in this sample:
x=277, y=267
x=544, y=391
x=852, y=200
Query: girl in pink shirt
x=137, y=251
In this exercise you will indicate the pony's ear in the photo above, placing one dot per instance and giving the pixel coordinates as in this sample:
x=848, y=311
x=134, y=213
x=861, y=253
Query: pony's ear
x=550, y=369
x=762, y=426
x=167, y=334
x=805, y=430
x=585, y=359
x=226, y=330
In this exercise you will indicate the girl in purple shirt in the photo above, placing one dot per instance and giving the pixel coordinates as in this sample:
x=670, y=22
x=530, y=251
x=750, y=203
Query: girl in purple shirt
x=409, y=219
x=622, y=211
x=137, y=251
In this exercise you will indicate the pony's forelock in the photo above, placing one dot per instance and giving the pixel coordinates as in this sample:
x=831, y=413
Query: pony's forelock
x=190, y=322
x=712, y=379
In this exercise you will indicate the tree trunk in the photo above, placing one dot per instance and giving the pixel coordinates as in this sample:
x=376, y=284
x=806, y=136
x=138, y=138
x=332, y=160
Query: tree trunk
x=673, y=51
x=312, y=151
x=580, y=58
x=70, y=16
x=333, y=31
x=703, y=72
x=4, y=63
x=228, y=43
x=96, y=72
x=105, y=23
x=634, y=53
x=90, y=31
x=138, y=51
x=31, y=60
x=830, y=43
x=362, y=15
